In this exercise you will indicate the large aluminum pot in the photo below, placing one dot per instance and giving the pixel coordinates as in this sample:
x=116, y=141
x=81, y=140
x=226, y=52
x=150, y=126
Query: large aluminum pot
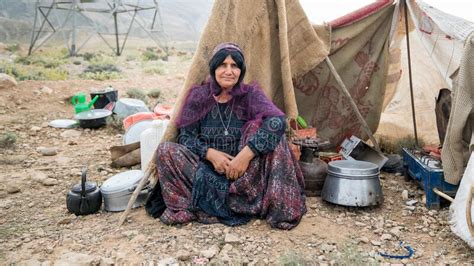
x=352, y=183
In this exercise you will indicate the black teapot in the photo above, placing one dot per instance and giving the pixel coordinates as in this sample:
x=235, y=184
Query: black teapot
x=84, y=198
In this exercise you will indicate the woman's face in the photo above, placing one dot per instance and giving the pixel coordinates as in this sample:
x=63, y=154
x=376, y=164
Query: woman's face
x=227, y=73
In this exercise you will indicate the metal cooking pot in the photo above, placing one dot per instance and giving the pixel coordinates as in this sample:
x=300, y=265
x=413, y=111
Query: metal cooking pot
x=94, y=118
x=352, y=183
x=84, y=198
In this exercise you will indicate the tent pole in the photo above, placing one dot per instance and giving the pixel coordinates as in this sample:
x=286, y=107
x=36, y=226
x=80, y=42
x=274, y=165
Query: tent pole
x=354, y=106
x=405, y=7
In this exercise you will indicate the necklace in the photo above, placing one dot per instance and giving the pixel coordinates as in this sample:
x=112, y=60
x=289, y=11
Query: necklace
x=226, y=128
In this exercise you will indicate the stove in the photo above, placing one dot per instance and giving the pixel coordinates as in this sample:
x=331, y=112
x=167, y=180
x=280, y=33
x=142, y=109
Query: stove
x=427, y=170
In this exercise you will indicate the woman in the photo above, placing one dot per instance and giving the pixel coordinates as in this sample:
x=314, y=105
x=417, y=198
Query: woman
x=232, y=161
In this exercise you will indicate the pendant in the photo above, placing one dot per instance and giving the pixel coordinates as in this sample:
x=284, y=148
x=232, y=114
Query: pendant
x=226, y=132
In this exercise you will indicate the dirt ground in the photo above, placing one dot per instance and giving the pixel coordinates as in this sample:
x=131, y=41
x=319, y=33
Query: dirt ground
x=36, y=228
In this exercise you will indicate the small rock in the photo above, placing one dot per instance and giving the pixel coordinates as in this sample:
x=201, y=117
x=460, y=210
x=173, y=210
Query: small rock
x=47, y=151
x=257, y=222
x=67, y=220
x=7, y=82
x=12, y=159
x=376, y=243
x=46, y=90
x=360, y=224
x=231, y=238
x=35, y=128
x=395, y=231
x=183, y=255
x=405, y=194
x=49, y=182
x=12, y=188
x=75, y=258
x=71, y=133
x=107, y=262
x=211, y=252
x=364, y=240
x=432, y=234
x=38, y=176
x=411, y=208
x=168, y=262
x=386, y=237
x=411, y=202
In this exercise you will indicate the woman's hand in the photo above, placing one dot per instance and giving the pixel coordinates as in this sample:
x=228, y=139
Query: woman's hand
x=220, y=160
x=239, y=164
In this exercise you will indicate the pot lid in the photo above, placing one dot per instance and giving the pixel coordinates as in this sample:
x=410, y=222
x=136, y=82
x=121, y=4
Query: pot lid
x=90, y=187
x=92, y=114
x=353, y=168
x=63, y=123
x=122, y=181
x=132, y=134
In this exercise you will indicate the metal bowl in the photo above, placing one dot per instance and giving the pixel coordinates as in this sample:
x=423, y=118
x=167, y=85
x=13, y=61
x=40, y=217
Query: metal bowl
x=352, y=183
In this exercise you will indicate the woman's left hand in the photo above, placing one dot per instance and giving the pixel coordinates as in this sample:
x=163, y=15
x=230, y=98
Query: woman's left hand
x=239, y=164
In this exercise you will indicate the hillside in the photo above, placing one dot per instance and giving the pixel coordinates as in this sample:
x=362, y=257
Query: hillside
x=183, y=20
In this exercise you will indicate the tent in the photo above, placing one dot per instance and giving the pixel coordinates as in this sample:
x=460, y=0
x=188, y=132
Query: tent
x=287, y=55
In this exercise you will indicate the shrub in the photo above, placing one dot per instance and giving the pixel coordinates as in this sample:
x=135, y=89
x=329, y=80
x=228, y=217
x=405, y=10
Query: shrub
x=14, y=47
x=154, y=93
x=137, y=94
x=7, y=140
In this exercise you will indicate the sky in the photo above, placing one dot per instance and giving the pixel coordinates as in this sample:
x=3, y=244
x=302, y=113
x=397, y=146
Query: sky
x=327, y=10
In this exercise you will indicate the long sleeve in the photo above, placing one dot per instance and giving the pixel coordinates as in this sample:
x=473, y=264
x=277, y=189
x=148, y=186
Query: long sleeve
x=268, y=136
x=191, y=137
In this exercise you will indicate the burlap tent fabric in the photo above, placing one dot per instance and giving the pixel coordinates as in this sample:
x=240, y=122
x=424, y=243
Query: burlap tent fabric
x=359, y=52
x=459, y=140
x=278, y=41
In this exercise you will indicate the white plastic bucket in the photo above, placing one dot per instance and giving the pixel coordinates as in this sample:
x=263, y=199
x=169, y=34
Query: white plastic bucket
x=149, y=140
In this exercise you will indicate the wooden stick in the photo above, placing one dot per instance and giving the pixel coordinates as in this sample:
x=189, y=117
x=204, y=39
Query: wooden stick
x=135, y=194
x=354, y=106
x=442, y=194
x=468, y=211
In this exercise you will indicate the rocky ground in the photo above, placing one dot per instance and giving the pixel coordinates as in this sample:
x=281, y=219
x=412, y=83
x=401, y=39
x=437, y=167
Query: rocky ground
x=36, y=228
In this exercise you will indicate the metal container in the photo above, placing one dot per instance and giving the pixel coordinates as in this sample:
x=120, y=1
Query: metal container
x=118, y=190
x=352, y=183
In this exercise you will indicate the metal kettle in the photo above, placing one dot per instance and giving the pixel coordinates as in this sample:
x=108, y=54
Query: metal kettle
x=84, y=198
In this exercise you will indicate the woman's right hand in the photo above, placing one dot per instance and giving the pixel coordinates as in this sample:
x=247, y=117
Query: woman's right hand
x=220, y=160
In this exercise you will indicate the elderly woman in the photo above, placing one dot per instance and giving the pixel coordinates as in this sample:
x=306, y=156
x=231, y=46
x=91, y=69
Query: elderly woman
x=232, y=161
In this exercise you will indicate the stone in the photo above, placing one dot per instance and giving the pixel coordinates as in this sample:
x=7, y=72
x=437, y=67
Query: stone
x=12, y=159
x=360, y=224
x=183, y=255
x=12, y=188
x=50, y=181
x=170, y=261
x=231, y=238
x=405, y=194
x=46, y=90
x=106, y=262
x=35, y=128
x=395, y=231
x=38, y=176
x=385, y=237
x=71, y=133
x=364, y=240
x=30, y=262
x=210, y=253
x=376, y=243
x=47, y=151
x=7, y=82
x=74, y=258
x=411, y=202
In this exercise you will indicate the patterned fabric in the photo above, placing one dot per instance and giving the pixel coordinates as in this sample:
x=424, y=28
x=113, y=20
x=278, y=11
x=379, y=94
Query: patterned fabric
x=209, y=133
x=251, y=104
x=190, y=190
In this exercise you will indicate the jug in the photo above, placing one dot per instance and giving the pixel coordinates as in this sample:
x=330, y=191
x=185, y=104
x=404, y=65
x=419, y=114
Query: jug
x=80, y=104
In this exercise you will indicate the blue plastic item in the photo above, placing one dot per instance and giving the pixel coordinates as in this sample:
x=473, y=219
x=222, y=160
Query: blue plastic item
x=427, y=177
